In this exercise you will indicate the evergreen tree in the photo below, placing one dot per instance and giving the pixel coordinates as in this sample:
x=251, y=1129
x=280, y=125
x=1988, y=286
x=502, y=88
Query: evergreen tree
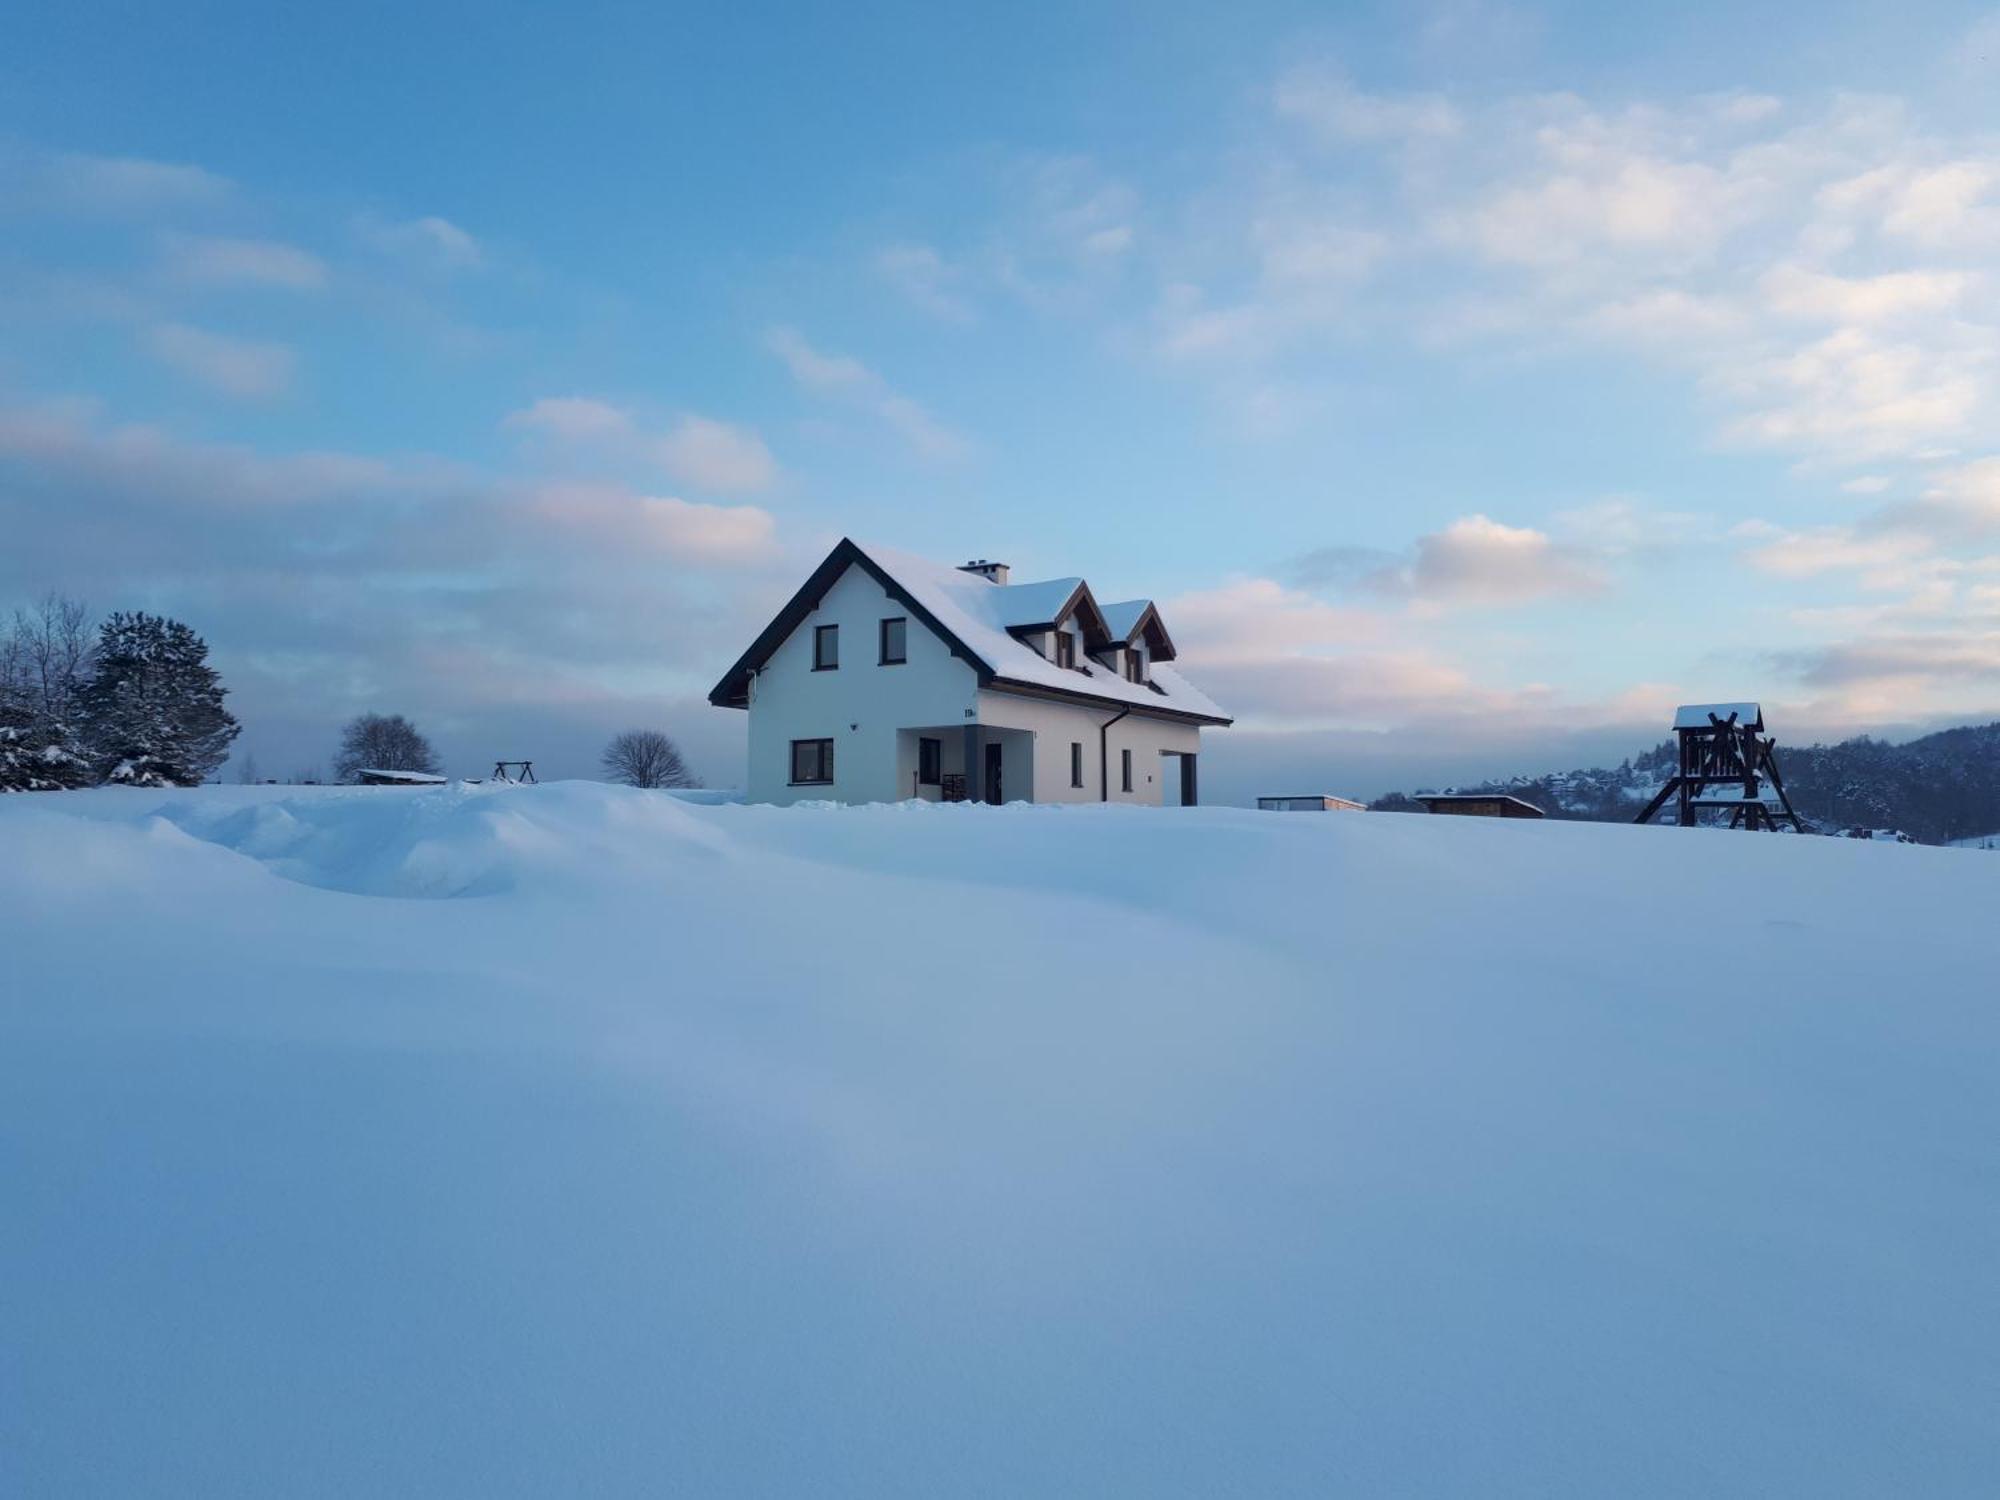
x=44, y=656
x=152, y=709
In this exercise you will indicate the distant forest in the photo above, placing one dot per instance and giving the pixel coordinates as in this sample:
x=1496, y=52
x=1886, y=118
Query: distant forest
x=1942, y=787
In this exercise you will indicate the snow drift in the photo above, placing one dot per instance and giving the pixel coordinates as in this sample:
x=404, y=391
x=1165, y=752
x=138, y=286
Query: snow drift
x=563, y=1139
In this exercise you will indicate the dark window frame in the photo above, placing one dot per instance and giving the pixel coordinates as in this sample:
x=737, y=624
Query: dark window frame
x=931, y=750
x=1135, y=667
x=1065, y=650
x=902, y=656
x=825, y=758
x=1076, y=763
x=823, y=635
x=1125, y=770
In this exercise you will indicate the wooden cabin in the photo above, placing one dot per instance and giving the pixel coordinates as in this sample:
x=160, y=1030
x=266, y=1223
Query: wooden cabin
x=1478, y=805
x=1314, y=802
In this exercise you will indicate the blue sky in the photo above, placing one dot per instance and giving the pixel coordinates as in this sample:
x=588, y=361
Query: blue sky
x=1470, y=383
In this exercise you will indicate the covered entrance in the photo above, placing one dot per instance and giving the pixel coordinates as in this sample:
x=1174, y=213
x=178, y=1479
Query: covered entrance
x=1178, y=786
x=966, y=763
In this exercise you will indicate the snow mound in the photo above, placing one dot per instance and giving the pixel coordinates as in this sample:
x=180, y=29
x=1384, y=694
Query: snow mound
x=517, y=1141
x=467, y=840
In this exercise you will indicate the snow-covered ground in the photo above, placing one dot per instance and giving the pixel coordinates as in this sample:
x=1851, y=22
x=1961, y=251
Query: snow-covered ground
x=570, y=1140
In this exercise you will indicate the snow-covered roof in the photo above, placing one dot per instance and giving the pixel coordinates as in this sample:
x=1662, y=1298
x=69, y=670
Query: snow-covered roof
x=1695, y=715
x=1019, y=604
x=978, y=612
x=976, y=616
x=410, y=778
x=1123, y=617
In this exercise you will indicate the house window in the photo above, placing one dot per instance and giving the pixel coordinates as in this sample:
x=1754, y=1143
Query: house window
x=1065, y=649
x=1076, y=762
x=1135, y=667
x=930, y=762
x=1124, y=769
x=895, y=641
x=812, y=762
x=826, y=647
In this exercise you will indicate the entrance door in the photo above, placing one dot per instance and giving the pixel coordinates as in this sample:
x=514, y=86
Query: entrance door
x=993, y=775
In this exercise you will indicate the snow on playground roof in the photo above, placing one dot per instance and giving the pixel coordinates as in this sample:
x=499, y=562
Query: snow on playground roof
x=1695, y=715
x=979, y=612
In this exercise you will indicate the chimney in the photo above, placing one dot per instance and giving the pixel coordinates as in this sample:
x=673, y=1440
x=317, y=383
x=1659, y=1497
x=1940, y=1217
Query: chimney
x=992, y=572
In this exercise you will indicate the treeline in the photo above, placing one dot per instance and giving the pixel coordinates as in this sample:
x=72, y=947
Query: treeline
x=1941, y=787
x=130, y=700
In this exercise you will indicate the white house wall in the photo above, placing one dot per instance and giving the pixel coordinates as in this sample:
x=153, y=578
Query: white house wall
x=860, y=706
x=1056, y=726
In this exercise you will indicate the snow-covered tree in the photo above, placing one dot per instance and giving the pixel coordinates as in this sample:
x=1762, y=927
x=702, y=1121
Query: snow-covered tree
x=646, y=758
x=152, y=711
x=382, y=742
x=44, y=658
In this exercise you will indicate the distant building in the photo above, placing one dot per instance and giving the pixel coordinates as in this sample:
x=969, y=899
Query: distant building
x=397, y=778
x=1478, y=805
x=1317, y=802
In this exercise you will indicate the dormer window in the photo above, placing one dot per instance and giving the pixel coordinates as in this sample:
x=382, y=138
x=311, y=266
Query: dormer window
x=1065, y=649
x=1135, y=666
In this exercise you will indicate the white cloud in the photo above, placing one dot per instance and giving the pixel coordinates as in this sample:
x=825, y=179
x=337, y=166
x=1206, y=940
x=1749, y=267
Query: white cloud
x=245, y=368
x=77, y=182
x=717, y=457
x=1959, y=504
x=1477, y=560
x=432, y=241
x=1951, y=205
x=1621, y=526
x=708, y=454
x=613, y=519
x=1799, y=292
x=1251, y=618
x=1674, y=211
x=1824, y=549
x=222, y=260
x=573, y=418
x=1855, y=396
x=1322, y=99
x=923, y=276
x=846, y=378
x=818, y=371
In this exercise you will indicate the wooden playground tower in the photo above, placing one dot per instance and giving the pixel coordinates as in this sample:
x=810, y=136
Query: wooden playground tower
x=1724, y=745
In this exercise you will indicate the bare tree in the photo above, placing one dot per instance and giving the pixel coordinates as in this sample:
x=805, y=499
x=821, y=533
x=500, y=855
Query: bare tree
x=382, y=742
x=646, y=758
x=51, y=647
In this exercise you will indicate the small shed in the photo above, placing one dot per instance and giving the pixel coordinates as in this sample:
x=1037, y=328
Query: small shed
x=397, y=778
x=1313, y=802
x=1478, y=805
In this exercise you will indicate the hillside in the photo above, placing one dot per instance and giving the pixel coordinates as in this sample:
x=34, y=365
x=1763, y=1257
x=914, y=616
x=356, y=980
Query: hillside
x=574, y=1140
x=1938, y=789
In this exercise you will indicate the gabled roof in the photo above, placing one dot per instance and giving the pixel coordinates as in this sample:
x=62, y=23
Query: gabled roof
x=1134, y=617
x=975, y=617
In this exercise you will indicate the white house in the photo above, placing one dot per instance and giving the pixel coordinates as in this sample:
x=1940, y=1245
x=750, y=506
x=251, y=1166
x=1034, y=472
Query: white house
x=888, y=676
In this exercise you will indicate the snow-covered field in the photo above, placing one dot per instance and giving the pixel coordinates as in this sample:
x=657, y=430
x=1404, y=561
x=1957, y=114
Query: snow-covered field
x=577, y=1141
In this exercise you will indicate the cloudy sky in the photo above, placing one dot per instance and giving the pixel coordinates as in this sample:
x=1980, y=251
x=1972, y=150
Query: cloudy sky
x=1469, y=383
